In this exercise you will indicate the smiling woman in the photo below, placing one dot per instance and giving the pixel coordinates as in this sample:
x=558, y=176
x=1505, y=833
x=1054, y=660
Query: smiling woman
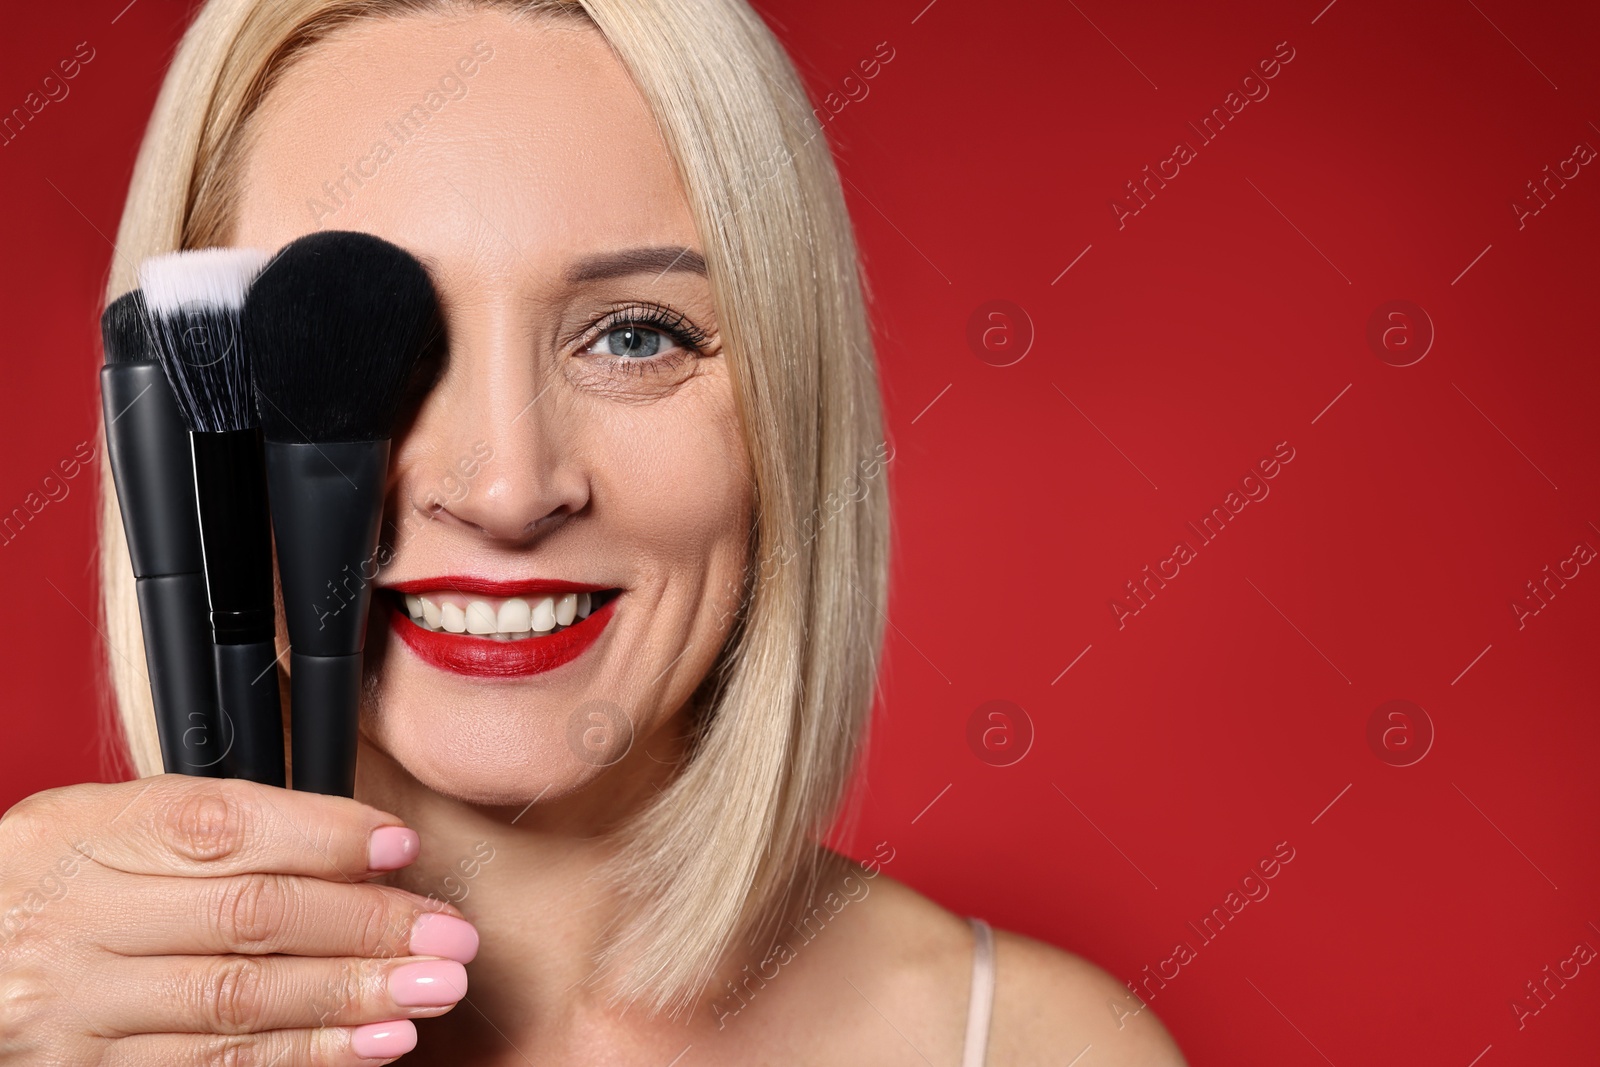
x=581, y=658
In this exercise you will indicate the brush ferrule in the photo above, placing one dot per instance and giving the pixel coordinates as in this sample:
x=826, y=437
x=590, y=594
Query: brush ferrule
x=235, y=533
x=327, y=510
x=149, y=450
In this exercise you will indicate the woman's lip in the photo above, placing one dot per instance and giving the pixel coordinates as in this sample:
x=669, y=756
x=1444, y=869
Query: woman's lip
x=484, y=657
x=495, y=587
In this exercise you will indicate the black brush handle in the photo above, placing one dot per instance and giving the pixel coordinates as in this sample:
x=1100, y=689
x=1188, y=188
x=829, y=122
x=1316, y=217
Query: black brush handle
x=247, y=686
x=327, y=507
x=235, y=534
x=177, y=643
x=324, y=695
x=148, y=446
x=236, y=540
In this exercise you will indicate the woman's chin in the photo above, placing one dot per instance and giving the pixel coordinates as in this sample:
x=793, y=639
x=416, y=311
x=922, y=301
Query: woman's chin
x=479, y=764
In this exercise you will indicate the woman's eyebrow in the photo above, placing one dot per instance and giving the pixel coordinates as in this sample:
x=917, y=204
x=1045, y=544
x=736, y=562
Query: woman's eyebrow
x=635, y=261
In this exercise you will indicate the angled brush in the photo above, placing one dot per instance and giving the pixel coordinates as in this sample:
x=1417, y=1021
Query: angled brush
x=193, y=302
x=334, y=325
x=148, y=445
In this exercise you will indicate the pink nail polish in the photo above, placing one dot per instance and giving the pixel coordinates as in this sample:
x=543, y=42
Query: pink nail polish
x=384, y=1041
x=428, y=983
x=437, y=934
x=392, y=847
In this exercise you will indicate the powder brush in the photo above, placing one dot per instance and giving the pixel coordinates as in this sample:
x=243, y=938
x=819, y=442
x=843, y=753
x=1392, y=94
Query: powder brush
x=335, y=325
x=148, y=445
x=193, y=301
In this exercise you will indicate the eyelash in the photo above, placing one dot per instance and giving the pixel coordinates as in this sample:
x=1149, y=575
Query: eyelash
x=689, y=338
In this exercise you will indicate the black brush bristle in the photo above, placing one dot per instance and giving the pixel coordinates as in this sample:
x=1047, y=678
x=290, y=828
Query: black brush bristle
x=193, y=302
x=124, y=331
x=334, y=325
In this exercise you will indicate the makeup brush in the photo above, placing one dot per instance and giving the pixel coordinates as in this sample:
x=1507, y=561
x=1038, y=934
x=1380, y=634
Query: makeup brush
x=193, y=301
x=149, y=449
x=334, y=325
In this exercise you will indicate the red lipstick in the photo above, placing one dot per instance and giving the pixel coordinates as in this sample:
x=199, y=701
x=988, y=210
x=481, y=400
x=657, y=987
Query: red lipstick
x=496, y=587
x=484, y=657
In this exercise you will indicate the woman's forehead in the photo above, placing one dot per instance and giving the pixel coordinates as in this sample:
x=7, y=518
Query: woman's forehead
x=481, y=142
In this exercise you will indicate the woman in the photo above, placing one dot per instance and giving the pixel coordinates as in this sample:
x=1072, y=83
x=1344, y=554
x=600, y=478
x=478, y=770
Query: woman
x=658, y=368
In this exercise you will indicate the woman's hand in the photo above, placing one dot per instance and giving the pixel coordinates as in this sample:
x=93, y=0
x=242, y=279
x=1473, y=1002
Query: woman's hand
x=180, y=921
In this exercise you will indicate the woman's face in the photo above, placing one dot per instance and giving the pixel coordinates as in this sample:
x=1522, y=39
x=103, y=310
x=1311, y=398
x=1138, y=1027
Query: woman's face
x=583, y=426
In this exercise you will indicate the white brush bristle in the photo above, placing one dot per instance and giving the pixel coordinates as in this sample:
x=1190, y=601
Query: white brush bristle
x=193, y=301
x=205, y=278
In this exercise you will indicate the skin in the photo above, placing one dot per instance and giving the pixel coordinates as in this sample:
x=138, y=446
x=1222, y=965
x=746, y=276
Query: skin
x=596, y=475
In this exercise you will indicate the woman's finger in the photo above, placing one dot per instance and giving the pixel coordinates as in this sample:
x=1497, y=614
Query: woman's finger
x=260, y=914
x=255, y=994
x=359, y=1046
x=205, y=827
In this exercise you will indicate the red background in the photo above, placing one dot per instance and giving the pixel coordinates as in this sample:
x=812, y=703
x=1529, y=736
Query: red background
x=1230, y=314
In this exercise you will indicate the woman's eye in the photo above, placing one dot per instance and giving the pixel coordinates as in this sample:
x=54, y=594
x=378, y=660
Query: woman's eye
x=636, y=342
x=647, y=342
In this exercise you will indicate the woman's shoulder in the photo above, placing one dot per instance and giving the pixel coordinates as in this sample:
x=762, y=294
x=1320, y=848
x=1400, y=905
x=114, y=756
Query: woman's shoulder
x=1048, y=1001
x=1049, y=1004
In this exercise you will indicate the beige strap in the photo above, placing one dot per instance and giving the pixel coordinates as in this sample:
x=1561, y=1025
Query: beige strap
x=981, y=1003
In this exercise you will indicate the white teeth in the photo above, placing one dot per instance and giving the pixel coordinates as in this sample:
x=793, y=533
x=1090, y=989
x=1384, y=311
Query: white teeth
x=480, y=618
x=515, y=617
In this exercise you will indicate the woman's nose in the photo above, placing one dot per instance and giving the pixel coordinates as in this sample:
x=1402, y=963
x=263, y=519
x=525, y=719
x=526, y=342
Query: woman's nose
x=496, y=455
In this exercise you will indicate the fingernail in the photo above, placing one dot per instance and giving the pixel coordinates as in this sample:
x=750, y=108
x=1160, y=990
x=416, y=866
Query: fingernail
x=437, y=934
x=392, y=847
x=428, y=983
x=384, y=1041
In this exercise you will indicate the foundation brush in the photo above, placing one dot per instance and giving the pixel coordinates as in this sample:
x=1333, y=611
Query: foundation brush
x=335, y=325
x=193, y=302
x=148, y=444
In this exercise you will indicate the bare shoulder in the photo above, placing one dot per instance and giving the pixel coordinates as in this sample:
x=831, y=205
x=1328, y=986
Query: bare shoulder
x=1051, y=1005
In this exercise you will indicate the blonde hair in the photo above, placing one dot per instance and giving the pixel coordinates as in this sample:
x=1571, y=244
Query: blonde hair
x=711, y=863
